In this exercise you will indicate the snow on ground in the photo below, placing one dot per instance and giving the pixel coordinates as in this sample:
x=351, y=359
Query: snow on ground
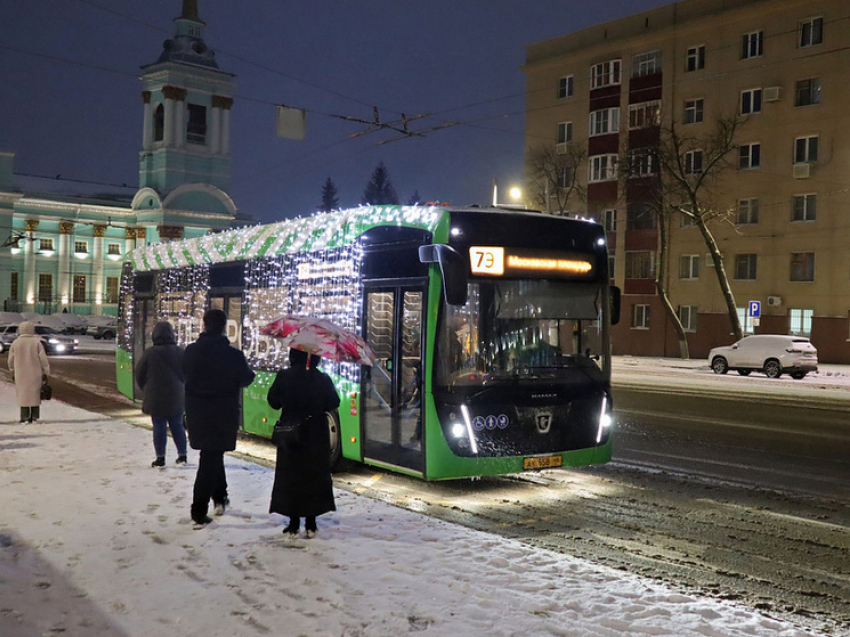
x=93, y=541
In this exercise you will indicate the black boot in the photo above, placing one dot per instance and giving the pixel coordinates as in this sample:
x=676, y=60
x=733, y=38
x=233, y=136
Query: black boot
x=159, y=462
x=292, y=527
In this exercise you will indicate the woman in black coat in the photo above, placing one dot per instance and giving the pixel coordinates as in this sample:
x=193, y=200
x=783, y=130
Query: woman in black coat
x=302, y=478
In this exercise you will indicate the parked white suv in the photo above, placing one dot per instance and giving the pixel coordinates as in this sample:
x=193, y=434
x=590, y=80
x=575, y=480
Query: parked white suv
x=773, y=354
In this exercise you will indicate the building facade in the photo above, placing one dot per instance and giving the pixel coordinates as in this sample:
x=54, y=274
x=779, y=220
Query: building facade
x=63, y=243
x=779, y=67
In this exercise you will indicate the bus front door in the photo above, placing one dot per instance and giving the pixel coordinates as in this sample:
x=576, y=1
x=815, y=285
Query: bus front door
x=392, y=388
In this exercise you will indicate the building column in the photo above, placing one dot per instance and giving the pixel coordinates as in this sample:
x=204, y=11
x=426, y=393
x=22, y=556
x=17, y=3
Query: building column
x=175, y=118
x=147, y=126
x=170, y=233
x=97, y=266
x=29, y=262
x=222, y=105
x=63, y=284
x=129, y=239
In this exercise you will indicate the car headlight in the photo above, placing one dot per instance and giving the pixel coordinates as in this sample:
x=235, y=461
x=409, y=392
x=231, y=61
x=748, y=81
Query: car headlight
x=53, y=341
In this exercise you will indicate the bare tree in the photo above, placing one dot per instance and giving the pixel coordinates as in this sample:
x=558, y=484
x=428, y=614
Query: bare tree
x=553, y=183
x=691, y=168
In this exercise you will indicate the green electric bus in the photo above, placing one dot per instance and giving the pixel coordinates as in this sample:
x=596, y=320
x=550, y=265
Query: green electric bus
x=491, y=329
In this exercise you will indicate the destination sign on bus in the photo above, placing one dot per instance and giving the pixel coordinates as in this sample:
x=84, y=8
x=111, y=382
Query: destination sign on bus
x=517, y=262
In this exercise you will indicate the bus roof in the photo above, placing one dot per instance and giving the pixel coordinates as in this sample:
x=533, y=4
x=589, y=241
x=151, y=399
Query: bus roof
x=321, y=231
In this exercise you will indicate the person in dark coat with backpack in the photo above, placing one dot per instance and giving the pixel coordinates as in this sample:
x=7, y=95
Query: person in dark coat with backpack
x=160, y=375
x=302, y=477
x=215, y=374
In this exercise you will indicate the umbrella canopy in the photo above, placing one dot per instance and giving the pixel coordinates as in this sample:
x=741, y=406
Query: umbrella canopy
x=321, y=337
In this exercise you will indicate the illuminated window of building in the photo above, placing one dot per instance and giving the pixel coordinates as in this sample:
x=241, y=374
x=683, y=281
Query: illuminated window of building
x=45, y=287
x=81, y=247
x=111, y=289
x=79, y=289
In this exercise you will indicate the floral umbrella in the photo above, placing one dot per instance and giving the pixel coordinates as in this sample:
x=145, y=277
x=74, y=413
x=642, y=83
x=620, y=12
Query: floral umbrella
x=321, y=337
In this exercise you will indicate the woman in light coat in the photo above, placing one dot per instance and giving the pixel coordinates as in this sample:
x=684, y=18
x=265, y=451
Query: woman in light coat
x=160, y=375
x=29, y=366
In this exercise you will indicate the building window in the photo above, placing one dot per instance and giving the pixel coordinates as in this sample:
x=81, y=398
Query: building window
x=565, y=87
x=610, y=220
x=688, y=317
x=753, y=45
x=640, y=265
x=749, y=156
x=605, y=74
x=45, y=245
x=565, y=132
x=640, y=316
x=603, y=168
x=808, y=92
x=746, y=267
x=800, y=322
x=158, y=123
x=13, y=286
x=803, y=266
x=745, y=320
x=806, y=149
x=645, y=114
x=748, y=211
x=804, y=208
x=642, y=162
x=565, y=177
x=751, y=101
x=695, y=58
x=45, y=287
x=646, y=64
x=612, y=262
x=811, y=32
x=81, y=247
x=114, y=248
x=689, y=266
x=604, y=121
x=694, y=111
x=79, y=289
x=640, y=216
x=111, y=289
x=196, y=127
x=693, y=162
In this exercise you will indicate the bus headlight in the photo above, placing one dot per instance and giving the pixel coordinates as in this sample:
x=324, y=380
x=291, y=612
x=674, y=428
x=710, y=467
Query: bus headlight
x=604, y=420
x=458, y=430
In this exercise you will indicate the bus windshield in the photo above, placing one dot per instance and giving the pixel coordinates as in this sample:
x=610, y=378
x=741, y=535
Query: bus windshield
x=521, y=329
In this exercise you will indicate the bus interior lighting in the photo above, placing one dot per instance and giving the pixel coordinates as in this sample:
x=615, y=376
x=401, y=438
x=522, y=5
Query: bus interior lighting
x=472, y=443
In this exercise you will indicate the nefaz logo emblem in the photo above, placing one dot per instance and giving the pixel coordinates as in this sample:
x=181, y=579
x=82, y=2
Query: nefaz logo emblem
x=543, y=420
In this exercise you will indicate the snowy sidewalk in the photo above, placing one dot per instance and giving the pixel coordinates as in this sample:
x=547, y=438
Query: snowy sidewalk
x=93, y=541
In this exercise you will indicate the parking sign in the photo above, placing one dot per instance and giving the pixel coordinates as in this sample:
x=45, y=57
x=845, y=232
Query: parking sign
x=755, y=309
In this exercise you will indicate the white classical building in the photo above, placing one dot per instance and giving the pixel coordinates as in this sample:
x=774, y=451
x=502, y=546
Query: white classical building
x=63, y=242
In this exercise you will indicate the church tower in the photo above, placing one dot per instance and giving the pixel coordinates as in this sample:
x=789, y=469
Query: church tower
x=187, y=100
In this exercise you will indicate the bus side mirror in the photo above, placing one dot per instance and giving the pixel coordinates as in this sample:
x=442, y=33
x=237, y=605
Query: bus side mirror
x=452, y=266
x=615, y=304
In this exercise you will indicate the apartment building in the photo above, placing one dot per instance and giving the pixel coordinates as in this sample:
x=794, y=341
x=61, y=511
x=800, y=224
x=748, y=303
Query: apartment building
x=777, y=65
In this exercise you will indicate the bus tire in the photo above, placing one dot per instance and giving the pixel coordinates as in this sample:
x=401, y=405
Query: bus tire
x=335, y=437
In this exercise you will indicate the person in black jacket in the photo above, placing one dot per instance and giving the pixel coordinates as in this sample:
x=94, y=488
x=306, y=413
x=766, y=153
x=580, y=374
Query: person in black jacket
x=302, y=476
x=160, y=374
x=215, y=374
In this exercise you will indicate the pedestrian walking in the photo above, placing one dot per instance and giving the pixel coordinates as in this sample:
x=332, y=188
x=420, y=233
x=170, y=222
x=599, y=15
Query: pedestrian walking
x=160, y=375
x=302, y=476
x=214, y=374
x=29, y=366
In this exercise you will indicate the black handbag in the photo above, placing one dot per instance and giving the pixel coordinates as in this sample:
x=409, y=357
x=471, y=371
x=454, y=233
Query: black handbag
x=46, y=391
x=287, y=430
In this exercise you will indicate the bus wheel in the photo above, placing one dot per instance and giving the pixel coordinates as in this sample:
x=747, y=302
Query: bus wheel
x=336, y=440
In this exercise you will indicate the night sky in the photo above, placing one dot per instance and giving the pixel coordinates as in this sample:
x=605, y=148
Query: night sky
x=71, y=102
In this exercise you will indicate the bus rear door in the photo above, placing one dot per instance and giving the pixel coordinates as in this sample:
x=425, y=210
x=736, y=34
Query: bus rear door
x=392, y=388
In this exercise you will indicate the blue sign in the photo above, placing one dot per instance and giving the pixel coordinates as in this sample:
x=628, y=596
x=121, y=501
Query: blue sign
x=755, y=309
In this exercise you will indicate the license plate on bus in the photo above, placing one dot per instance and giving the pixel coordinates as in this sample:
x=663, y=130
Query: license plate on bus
x=542, y=462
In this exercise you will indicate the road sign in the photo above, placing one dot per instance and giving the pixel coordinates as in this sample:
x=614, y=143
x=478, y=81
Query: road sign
x=755, y=309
